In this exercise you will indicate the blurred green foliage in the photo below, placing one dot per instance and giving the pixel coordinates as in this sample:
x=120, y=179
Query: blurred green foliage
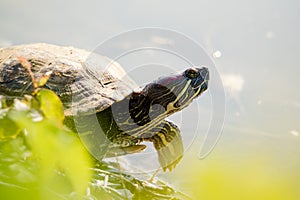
x=40, y=158
x=249, y=179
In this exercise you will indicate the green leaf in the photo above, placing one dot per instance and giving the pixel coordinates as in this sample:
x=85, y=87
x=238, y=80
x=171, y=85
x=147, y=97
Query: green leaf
x=41, y=81
x=59, y=149
x=61, y=162
x=56, y=149
x=50, y=105
x=8, y=128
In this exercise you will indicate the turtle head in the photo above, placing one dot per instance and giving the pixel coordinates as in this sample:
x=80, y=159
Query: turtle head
x=184, y=87
x=168, y=94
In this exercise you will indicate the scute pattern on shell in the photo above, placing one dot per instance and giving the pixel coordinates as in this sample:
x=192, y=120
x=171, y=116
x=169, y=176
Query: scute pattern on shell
x=86, y=82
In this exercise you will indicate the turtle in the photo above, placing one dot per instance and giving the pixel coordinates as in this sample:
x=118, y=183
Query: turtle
x=102, y=103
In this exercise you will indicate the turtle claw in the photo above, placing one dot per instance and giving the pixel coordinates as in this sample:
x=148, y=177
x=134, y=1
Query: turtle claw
x=168, y=144
x=168, y=161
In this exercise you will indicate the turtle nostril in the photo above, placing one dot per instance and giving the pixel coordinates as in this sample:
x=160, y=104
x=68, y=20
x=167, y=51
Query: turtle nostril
x=204, y=73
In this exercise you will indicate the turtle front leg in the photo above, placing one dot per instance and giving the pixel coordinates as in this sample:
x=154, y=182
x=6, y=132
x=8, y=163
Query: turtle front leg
x=168, y=143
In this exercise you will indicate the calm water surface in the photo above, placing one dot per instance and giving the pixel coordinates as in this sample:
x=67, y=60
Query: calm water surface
x=254, y=44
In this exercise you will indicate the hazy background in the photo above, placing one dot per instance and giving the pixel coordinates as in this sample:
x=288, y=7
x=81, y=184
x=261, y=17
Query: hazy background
x=255, y=46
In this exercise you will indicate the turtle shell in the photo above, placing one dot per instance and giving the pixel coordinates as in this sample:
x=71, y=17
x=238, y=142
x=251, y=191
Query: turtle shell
x=86, y=82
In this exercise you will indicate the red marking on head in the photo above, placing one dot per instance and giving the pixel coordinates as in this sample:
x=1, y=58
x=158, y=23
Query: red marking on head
x=168, y=80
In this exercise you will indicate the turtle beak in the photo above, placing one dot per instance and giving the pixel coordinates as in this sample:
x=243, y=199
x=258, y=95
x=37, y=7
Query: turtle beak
x=202, y=80
x=204, y=73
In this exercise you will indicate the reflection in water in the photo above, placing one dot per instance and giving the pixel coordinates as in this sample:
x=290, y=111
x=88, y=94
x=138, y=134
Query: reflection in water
x=217, y=54
x=270, y=35
x=233, y=83
x=294, y=133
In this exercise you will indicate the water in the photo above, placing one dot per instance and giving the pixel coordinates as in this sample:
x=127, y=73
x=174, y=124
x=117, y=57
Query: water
x=255, y=46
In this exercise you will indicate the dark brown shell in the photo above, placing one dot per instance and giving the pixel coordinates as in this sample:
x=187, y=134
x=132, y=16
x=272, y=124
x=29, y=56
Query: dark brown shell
x=85, y=81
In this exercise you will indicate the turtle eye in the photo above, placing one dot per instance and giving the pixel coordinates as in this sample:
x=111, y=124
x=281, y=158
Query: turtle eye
x=192, y=73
